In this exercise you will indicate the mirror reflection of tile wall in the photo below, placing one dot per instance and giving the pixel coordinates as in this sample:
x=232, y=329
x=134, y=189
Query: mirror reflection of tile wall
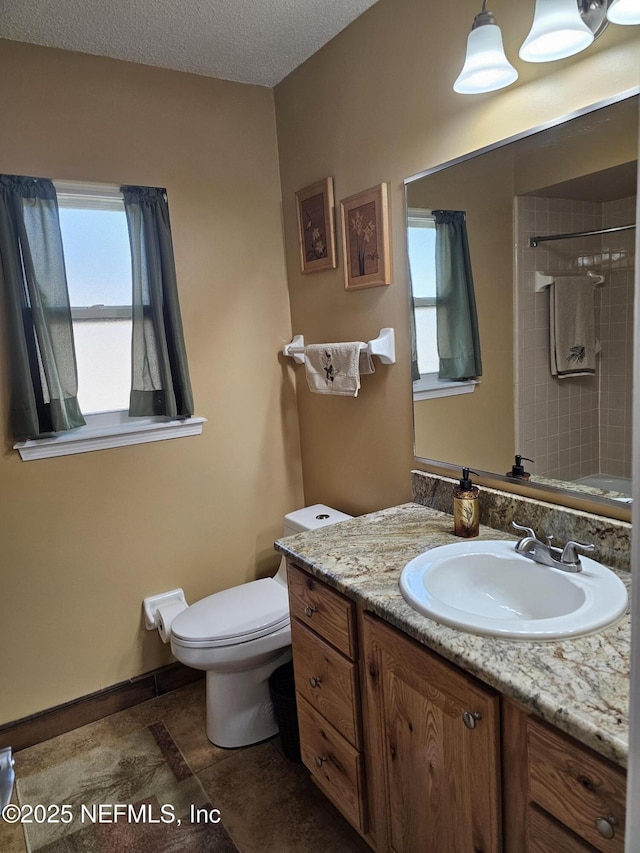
x=578, y=427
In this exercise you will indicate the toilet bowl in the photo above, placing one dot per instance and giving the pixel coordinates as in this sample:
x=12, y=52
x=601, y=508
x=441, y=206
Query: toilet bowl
x=239, y=637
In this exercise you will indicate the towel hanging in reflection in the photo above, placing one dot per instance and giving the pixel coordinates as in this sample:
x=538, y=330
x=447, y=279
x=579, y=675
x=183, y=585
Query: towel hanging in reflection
x=336, y=368
x=573, y=344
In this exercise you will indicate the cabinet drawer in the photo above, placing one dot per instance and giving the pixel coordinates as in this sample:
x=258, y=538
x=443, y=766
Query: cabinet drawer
x=576, y=786
x=327, y=680
x=545, y=835
x=334, y=764
x=322, y=609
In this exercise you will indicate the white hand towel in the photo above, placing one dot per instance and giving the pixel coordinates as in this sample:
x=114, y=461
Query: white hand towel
x=336, y=368
x=572, y=327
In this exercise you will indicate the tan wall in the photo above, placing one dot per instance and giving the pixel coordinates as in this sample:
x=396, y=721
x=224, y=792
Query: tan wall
x=83, y=539
x=377, y=104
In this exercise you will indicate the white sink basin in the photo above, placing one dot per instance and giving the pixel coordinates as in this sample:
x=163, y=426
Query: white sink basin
x=485, y=587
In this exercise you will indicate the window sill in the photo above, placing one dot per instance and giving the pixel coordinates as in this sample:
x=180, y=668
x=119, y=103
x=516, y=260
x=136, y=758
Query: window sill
x=106, y=430
x=429, y=389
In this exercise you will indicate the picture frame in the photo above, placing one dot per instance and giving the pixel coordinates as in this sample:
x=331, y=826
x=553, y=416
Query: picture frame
x=315, y=208
x=365, y=238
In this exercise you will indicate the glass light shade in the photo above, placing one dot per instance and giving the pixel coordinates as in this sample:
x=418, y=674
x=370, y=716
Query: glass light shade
x=486, y=68
x=624, y=12
x=557, y=31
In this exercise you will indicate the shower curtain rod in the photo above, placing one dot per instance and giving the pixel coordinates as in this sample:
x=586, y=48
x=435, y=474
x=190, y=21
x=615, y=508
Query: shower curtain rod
x=533, y=241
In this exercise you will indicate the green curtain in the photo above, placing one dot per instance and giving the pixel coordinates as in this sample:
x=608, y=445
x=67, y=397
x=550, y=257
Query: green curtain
x=42, y=359
x=160, y=374
x=458, y=336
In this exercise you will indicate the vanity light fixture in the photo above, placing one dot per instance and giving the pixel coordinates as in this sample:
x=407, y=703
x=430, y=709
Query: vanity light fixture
x=560, y=28
x=486, y=67
x=558, y=31
x=624, y=12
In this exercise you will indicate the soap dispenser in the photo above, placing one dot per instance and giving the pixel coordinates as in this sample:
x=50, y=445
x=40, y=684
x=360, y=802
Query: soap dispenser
x=466, y=507
x=517, y=471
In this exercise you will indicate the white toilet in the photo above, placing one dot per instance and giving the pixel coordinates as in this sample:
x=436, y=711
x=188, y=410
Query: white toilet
x=240, y=636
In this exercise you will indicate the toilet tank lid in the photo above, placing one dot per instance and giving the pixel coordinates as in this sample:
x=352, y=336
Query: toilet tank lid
x=313, y=517
x=249, y=610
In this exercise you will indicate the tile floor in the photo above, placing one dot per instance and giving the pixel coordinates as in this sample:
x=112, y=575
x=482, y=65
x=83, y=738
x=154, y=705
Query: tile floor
x=267, y=803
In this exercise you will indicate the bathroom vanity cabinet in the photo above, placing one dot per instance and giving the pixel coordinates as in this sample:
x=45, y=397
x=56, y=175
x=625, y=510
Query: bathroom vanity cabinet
x=436, y=746
x=559, y=795
x=419, y=755
x=325, y=650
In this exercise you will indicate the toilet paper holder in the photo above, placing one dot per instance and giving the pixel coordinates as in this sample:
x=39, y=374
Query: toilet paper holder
x=152, y=604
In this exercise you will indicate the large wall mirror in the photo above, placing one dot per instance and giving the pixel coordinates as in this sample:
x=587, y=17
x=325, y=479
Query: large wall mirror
x=577, y=177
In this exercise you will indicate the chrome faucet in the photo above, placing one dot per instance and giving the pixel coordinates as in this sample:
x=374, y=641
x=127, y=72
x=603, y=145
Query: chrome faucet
x=565, y=558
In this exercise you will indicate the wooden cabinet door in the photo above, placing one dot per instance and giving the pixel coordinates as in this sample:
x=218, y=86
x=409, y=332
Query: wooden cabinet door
x=327, y=680
x=325, y=611
x=440, y=776
x=578, y=787
x=334, y=763
x=546, y=835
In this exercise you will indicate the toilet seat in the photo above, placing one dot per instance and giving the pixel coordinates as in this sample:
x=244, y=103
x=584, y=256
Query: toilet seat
x=236, y=615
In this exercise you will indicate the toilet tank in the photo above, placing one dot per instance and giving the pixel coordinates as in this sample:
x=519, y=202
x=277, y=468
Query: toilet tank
x=311, y=518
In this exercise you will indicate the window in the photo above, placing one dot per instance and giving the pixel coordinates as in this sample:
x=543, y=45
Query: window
x=98, y=265
x=421, y=244
x=422, y=261
x=97, y=259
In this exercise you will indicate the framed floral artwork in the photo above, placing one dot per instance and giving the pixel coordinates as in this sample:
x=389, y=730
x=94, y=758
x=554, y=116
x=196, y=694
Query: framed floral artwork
x=316, y=226
x=365, y=238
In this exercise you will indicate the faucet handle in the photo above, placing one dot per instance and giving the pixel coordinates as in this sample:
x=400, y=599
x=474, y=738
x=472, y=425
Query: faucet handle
x=527, y=530
x=570, y=552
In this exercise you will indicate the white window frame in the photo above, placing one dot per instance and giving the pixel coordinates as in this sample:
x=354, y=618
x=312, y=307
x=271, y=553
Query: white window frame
x=103, y=430
x=429, y=386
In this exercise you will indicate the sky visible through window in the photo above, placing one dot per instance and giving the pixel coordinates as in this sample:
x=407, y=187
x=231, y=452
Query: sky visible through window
x=97, y=256
x=422, y=262
x=98, y=264
x=422, y=259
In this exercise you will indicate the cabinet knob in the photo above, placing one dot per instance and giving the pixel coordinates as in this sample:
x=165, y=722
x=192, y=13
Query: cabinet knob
x=605, y=826
x=320, y=760
x=309, y=611
x=470, y=718
x=314, y=681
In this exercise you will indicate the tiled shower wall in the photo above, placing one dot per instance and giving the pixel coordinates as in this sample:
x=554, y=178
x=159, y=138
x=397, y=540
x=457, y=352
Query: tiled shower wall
x=616, y=335
x=575, y=427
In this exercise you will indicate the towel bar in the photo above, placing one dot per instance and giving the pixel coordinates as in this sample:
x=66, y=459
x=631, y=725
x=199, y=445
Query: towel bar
x=543, y=280
x=384, y=347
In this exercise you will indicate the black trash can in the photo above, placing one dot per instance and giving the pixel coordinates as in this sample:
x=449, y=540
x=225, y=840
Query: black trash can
x=283, y=696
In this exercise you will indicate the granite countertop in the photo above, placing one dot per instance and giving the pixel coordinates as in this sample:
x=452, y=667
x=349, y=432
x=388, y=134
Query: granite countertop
x=579, y=685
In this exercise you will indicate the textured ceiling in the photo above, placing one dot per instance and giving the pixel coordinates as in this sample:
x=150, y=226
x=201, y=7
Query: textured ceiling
x=250, y=41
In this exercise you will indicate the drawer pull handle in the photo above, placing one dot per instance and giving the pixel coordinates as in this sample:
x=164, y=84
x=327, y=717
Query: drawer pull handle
x=309, y=611
x=605, y=826
x=314, y=681
x=320, y=760
x=470, y=718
